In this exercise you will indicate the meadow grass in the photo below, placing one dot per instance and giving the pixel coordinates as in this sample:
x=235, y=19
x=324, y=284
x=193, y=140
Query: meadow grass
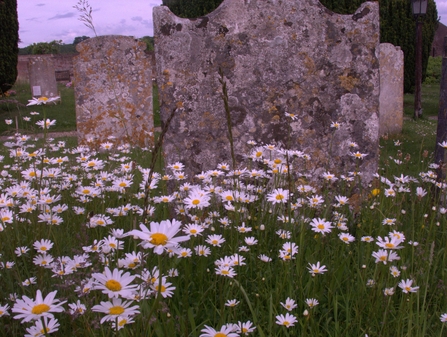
x=252, y=251
x=15, y=108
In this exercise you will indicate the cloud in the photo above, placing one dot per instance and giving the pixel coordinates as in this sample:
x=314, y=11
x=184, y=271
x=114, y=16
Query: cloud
x=137, y=18
x=40, y=5
x=62, y=16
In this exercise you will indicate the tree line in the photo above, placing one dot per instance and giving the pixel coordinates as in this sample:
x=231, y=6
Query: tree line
x=397, y=26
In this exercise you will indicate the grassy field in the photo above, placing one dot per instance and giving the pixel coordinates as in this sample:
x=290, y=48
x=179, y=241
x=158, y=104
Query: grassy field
x=430, y=102
x=15, y=109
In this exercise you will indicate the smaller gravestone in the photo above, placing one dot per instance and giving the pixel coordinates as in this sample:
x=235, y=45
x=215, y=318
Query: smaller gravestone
x=391, y=99
x=113, y=91
x=41, y=77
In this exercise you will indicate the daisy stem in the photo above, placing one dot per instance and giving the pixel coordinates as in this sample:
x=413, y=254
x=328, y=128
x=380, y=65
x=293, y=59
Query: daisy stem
x=44, y=327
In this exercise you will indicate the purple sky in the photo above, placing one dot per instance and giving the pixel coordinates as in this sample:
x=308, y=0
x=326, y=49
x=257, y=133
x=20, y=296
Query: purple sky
x=48, y=20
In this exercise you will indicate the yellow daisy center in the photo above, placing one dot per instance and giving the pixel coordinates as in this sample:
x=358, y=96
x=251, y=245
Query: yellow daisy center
x=122, y=322
x=116, y=310
x=229, y=197
x=320, y=226
x=184, y=253
x=279, y=197
x=225, y=272
x=113, y=285
x=43, y=99
x=123, y=184
x=220, y=334
x=132, y=265
x=162, y=289
x=389, y=245
x=159, y=239
x=32, y=174
x=382, y=258
x=193, y=231
x=40, y=309
x=407, y=288
x=196, y=202
x=277, y=161
x=286, y=323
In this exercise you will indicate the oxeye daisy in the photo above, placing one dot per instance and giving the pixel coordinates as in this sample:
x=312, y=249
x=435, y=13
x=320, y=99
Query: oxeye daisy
x=406, y=286
x=278, y=196
x=289, y=304
x=225, y=271
x=116, y=308
x=231, y=303
x=114, y=283
x=287, y=320
x=165, y=289
x=43, y=328
x=321, y=226
x=193, y=229
x=4, y=310
x=215, y=240
x=30, y=309
x=311, y=302
x=202, y=250
x=197, y=199
x=316, y=269
x=346, y=238
x=245, y=327
x=160, y=236
x=225, y=331
x=43, y=245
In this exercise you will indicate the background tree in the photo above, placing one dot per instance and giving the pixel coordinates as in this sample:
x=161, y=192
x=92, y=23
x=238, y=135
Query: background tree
x=149, y=40
x=192, y=8
x=78, y=39
x=46, y=47
x=398, y=27
x=9, y=40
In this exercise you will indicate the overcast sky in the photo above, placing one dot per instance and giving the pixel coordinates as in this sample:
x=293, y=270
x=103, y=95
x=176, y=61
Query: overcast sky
x=48, y=20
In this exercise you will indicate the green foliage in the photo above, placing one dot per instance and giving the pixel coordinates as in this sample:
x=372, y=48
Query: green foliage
x=9, y=39
x=46, y=47
x=434, y=70
x=398, y=27
x=149, y=40
x=78, y=39
x=192, y=9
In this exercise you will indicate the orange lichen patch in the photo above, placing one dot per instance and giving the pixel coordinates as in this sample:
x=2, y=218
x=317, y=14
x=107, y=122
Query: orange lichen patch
x=348, y=82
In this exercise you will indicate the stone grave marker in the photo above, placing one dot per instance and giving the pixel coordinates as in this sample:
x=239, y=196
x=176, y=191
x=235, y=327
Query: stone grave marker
x=41, y=77
x=276, y=56
x=113, y=91
x=391, y=112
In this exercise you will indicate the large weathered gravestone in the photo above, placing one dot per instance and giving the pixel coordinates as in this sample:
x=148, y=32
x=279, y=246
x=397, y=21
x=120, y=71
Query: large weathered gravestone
x=113, y=91
x=391, y=112
x=41, y=77
x=277, y=56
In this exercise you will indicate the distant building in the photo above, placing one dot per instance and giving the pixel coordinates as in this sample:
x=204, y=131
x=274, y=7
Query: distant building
x=438, y=42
